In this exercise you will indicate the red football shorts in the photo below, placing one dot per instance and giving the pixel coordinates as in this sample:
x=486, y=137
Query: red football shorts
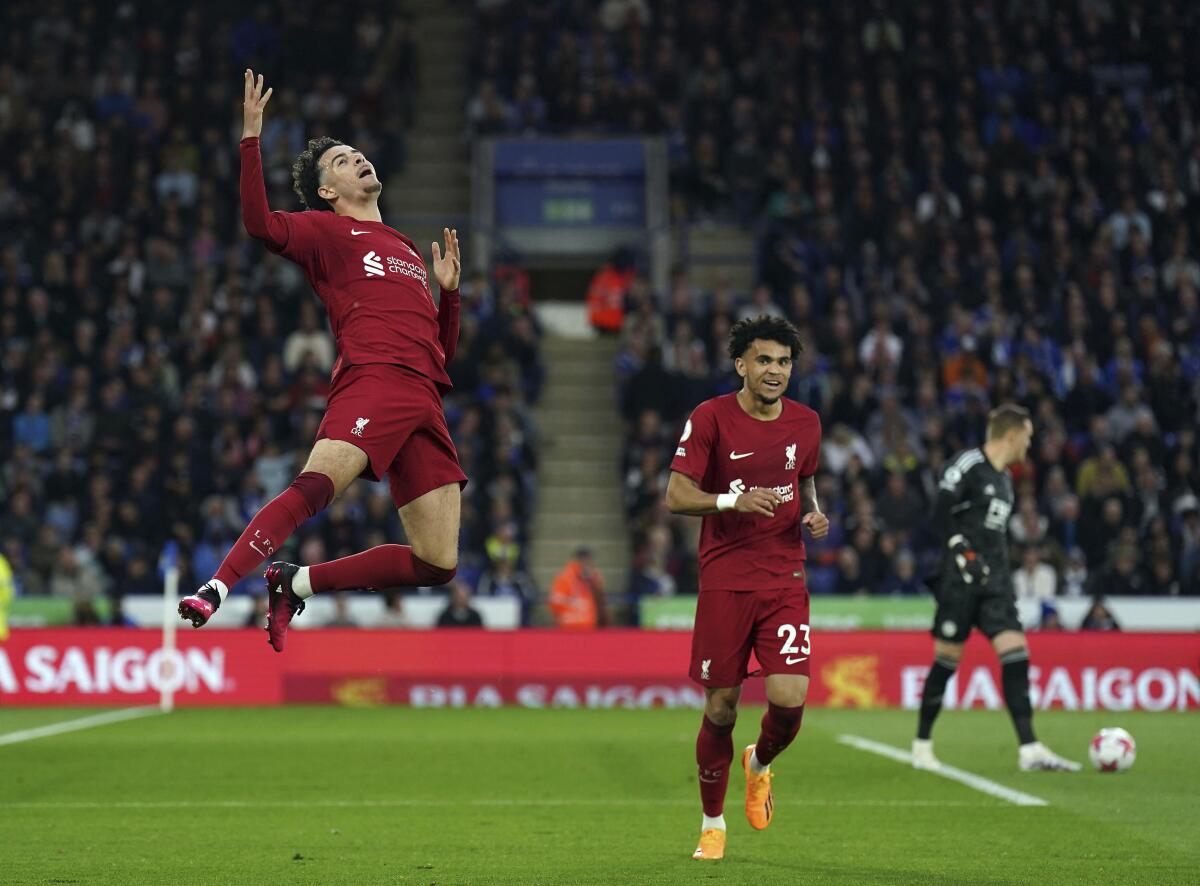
x=395, y=416
x=731, y=623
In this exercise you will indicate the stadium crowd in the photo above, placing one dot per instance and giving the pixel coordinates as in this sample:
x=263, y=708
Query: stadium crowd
x=161, y=375
x=959, y=204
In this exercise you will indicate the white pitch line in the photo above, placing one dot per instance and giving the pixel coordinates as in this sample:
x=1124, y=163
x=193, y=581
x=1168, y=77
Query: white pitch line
x=75, y=725
x=970, y=779
x=415, y=803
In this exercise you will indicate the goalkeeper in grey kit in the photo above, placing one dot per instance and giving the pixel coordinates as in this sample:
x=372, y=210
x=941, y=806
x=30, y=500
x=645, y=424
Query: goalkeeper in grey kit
x=975, y=499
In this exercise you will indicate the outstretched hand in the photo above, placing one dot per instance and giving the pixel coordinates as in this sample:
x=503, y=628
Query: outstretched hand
x=254, y=100
x=447, y=268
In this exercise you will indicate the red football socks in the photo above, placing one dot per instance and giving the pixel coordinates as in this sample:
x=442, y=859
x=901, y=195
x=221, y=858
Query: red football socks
x=779, y=727
x=714, y=753
x=385, y=566
x=309, y=494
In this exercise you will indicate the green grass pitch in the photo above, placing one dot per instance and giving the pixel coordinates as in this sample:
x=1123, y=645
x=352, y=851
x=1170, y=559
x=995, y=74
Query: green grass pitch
x=397, y=795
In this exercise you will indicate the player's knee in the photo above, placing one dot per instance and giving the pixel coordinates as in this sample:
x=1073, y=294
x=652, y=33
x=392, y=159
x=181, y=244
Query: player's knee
x=445, y=559
x=790, y=697
x=721, y=715
x=433, y=574
x=721, y=706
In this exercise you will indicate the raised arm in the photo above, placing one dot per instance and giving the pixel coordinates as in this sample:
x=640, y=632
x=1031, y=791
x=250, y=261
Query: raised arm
x=447, y=269
x=260, y=222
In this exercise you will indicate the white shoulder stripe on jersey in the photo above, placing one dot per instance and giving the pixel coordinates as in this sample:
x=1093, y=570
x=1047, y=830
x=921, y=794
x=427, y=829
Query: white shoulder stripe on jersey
x=968, y=459
x=959, y=468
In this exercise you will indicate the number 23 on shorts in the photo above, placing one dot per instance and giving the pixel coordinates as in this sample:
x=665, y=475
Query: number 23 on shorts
x=794, y=654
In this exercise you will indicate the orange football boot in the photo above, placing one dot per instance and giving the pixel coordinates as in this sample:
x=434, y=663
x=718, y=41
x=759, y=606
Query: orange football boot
x=760, y=801
x=712, y=845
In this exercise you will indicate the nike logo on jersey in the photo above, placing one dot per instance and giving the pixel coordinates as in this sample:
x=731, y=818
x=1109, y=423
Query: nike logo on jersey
x=796, y=660
x=355, y=233
x=734, y=456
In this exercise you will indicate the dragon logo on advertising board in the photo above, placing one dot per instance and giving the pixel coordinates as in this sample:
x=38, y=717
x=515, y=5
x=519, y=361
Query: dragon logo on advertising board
x=364, y=692
x=853, y=682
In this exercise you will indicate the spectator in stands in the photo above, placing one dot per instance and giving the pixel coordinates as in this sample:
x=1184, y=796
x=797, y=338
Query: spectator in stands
x=1099, y=618
x=850, y=579
x=7, y=592
x=506, y=579
x=341, y=617
x=393, y=611
x=459, y=613
x=257, y=617
x=606, y=293
x=1034, y=579
x=650, y=576
x=1075, y=574
x=77, y=582
x=1049, y=620
x=904, y=578
x=899, y=506
x=1121, y=577
x=308, y=341
x=577, y=599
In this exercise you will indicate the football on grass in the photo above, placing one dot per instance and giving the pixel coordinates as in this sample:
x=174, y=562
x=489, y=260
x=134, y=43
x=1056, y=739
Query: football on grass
x=1112, y=750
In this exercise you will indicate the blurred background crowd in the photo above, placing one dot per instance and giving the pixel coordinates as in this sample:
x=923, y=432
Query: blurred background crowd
x=959, y=203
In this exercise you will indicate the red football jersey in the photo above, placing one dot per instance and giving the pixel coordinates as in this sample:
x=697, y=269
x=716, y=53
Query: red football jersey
x=725, y=450
x=371, y=278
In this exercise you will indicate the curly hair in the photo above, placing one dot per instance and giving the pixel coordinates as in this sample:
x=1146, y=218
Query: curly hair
x=306, y=175
x=768, y=328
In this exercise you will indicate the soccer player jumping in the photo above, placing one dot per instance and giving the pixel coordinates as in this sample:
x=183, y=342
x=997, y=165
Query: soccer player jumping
x=759, y=450
x=975, y=498
x=384, y=416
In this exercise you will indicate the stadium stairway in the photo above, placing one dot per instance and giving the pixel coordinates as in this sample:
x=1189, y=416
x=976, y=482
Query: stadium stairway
x=579, y=470
x=435, y=188
x=712, y=252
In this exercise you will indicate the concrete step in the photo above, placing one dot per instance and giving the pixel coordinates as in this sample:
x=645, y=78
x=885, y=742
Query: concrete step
x=442, y=92
x=555, y=555
x=595, y=498
x=420, y=143
x=599, y=347
x=434, y=167
x=580, y=407
x=582, y=371
x=567, y=548
x=608, y=459
x=589, y=475
x=579, y=525
x=570, y=423
x=442, y=129
x=587, y=446
x=616, y=579
x=721, y=251
x=433, y=199
x=441, y=150
x=443, y=26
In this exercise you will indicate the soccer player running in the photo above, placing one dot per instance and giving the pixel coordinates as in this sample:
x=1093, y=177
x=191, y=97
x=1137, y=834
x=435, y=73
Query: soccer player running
x=975, y=498
x=384, y=417
x=758, y=451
